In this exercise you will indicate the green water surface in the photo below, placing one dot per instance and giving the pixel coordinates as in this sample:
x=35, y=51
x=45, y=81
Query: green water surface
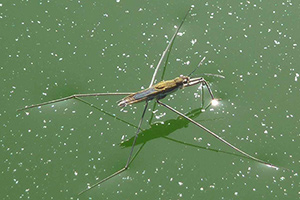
x=52, y=49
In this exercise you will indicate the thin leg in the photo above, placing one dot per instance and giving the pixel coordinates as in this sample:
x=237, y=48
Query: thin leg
x=208, y=88
x=169, y=46
x=74, y=96
x=105, y=112
x=202, y=95
x=129, y=158
x=136, y=135
x=152, y=114
x=213, y=134
x=166, y=50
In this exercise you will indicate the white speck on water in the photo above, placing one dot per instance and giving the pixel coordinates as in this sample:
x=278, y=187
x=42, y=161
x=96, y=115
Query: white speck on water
x=193, y=41
x=296, y=77
x=16, y=181
x=160, y=115
x=276, y=42
x=180, y=183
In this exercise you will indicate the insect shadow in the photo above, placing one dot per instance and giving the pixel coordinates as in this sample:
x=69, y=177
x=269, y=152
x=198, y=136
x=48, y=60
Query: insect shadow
x=166, y=128
x=163, y=130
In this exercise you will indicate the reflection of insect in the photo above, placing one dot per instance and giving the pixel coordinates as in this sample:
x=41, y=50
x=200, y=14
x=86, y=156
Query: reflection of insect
x=157, y=92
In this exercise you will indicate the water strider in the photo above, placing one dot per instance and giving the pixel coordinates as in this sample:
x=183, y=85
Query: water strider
x=156, y=92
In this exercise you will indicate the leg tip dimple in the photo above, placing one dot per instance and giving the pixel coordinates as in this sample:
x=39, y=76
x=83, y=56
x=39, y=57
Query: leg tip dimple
x=214, y=102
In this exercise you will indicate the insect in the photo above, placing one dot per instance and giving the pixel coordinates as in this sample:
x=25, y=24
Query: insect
x=156, y=92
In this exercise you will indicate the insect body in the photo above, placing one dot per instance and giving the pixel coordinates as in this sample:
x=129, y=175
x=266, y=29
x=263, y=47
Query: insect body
x=160, y=90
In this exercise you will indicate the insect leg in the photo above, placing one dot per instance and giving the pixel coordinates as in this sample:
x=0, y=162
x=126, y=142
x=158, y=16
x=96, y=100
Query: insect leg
x=208, y=88
x=202, y=95
x=105, y=112
x=166, y=50
x=129, y=158
x=74, y=96
x=169, y=46
x=214, y=134
x=136, y=135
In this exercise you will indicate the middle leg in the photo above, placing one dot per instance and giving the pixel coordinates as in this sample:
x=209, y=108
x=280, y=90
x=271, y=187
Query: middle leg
x=129, y=158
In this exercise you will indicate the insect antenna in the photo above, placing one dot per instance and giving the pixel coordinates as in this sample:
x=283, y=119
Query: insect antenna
x=200, y=63
x=215, y=75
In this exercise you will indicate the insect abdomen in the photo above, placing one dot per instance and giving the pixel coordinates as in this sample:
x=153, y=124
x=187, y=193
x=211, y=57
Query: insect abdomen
x=137, y=97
